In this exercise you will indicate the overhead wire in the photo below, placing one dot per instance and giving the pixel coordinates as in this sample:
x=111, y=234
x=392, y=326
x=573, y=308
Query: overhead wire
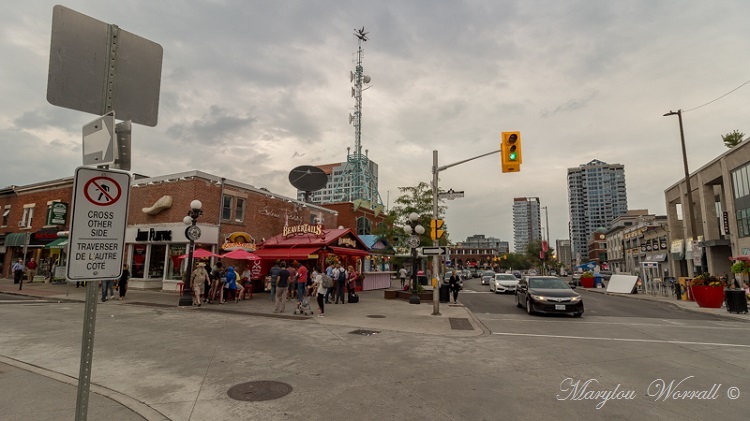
x=709, y=102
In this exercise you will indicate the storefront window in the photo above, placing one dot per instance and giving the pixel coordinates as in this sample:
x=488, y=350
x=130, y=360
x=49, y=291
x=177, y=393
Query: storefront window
x=138, y=260
x=156, y=261
x=174, y=268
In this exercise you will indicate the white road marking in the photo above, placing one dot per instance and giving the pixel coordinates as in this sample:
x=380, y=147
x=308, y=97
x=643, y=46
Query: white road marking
x=621, y=339
x=523, y=318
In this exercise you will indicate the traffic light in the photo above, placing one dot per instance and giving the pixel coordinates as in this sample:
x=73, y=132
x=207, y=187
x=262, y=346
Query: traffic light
x=510, y=151
x=435, y=232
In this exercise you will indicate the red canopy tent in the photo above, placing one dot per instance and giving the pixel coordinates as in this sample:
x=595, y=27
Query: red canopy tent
x=200, y=254
x=240, y=254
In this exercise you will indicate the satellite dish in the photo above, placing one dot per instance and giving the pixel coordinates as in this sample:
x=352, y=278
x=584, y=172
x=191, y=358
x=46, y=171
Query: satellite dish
x=308, y=178
x=351, y=117
x=351, y=76
x=367, y=79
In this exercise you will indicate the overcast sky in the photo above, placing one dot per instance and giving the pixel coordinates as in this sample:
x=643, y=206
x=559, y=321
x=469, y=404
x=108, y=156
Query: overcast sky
x=252, y=89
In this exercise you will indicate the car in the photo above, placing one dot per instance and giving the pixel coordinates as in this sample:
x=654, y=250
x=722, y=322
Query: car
x=532, y=272
x=548, y=294
x=487, y=276
x=466, y=274
x=517, y=274
x=552, y=273
x=473, y=272
x=503, y=282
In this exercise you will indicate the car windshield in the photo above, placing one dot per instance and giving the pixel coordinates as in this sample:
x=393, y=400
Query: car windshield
x=547, y=283
x=488, y=274
x=505, y=277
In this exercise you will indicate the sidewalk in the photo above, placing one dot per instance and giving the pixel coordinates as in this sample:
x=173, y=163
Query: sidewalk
x=685, y=305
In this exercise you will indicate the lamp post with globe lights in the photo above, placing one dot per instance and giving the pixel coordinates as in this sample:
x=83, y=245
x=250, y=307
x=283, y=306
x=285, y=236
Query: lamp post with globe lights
x=414, y=230
x=192, y=232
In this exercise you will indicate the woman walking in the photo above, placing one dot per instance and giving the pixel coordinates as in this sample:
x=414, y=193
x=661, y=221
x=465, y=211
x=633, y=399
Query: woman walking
x=122, y=284
x=320, y=294
x=351, y=282
x=454, y=283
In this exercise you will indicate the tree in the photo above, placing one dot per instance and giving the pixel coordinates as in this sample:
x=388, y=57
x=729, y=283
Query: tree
x=532, y=253
x=416, y=199
x=732, y=139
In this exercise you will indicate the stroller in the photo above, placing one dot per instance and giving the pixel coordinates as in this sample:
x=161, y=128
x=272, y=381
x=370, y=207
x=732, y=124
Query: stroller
x=303, y=307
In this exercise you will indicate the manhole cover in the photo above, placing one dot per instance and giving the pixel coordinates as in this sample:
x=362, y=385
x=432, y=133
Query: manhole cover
x=259, y=391
x=458, y=323
x=376, y=316
x=364, y=332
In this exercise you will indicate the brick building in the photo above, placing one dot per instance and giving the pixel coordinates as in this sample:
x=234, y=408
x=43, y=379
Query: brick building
x=360, y=219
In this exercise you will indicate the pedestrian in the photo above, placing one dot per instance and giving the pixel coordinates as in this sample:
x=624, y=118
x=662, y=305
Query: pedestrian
x=351, y=284
x=282, y=288
x=31, y=269
x=274, y=278
x=217, y=279
x=18, y=269
x=230, y=285
x=340, y=283
x=320, y=292
x=454, y=284
x=292, y=268
x=106, y=287
x=246, y=283
x=197, y=279
x=52, y=267
x=330, y=291
x=123, y=282
x=402, y=276
x=301, y=282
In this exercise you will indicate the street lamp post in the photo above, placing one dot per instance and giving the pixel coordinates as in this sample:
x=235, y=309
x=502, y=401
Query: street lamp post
x=192, y=232
x=414, y=229
x=689, y=207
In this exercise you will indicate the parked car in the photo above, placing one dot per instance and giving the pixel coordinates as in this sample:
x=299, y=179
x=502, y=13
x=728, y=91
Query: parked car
x=503, y=282
x=466, y=274
x=548, y=294
x=473, y=272
x=517, y=274
x=487, y=276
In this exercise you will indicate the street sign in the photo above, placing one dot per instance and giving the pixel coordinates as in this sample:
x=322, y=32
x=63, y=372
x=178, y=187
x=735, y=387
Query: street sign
x=433, y=251
x=451, y=194
x=99, y=141
x=97, y=224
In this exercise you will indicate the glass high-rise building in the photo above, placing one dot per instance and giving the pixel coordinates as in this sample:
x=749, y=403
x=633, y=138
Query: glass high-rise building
x=596, y=196
x=527, y=225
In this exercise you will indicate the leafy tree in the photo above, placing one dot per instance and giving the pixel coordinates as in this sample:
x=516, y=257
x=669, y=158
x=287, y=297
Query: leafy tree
x=416, y=199
x=732, y=139
x=532, y=253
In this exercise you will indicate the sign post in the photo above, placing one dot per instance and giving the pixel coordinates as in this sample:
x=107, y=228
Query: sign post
x=97, y=239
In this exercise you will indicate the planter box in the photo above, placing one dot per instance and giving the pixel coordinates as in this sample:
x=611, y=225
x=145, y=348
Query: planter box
x=587, y=282
x=390, y=294
x=708, y=297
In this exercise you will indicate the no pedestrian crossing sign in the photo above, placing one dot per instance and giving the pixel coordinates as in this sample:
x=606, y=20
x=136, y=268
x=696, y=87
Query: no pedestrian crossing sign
x=97, y=224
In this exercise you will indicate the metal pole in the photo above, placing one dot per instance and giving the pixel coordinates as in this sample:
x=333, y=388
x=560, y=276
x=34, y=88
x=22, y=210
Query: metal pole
x=25, y=250
x=87, y=351
x=186, y=299
x=414, y=299
x=436, y=243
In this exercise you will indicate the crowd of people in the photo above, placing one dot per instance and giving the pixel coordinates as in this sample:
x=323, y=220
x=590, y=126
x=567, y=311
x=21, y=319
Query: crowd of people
x=286, y=281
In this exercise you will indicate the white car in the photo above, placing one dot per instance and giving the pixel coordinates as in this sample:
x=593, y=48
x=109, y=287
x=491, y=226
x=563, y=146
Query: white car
x=504, y=282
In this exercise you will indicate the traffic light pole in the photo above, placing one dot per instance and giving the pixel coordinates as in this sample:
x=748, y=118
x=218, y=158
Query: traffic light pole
x=435, y=242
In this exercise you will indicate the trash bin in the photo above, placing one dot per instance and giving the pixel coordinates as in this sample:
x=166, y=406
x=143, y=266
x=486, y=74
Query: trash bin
x=422, y=279
x=736, y=300
x=445, y=293
x=598, y=281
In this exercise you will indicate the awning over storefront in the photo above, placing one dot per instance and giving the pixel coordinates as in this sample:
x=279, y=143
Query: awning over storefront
x=343, y=251
x=661, y=257
x=60, y=243
x=15, y=239
x=300, y=253
x=743, y=258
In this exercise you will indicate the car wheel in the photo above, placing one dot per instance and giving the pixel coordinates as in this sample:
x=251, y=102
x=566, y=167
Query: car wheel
x=528, y=305
x=518, y=302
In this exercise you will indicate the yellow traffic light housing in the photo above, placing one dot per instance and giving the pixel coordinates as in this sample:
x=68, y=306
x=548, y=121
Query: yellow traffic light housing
x=435, y=232
x=510, y=151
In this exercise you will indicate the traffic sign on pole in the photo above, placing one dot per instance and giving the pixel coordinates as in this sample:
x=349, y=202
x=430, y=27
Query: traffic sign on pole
x=451, y=194
x=97, y=224
x=433, y=251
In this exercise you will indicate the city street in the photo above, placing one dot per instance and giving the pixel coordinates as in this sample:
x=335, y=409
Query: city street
x=180, y=363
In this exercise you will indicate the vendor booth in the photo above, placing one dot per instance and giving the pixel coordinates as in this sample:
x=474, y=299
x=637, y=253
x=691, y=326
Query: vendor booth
x=318, y=248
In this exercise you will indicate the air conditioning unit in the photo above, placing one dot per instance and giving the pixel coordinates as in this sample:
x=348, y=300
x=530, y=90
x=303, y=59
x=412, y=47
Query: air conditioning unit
x=21, y=223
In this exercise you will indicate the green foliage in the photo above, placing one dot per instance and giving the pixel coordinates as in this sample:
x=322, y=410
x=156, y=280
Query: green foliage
x=415, y=199
x=732, y=139
x=532, y=254
x=739, y=267
x=587, y=274
x=707, y=280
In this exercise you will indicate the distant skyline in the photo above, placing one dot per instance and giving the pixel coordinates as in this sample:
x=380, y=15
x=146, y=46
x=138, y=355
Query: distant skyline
x=252, y=89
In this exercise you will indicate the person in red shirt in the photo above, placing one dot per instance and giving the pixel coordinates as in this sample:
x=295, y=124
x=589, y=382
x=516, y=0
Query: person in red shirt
x=301, y=282
x=31, y=269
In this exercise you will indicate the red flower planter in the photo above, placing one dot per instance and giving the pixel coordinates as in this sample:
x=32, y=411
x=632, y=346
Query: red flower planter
x=587, y=282
x=708, y=297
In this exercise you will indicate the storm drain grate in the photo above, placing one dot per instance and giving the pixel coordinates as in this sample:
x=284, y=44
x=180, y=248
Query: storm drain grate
x=364, y=332
x=376, y=316
x=458, y=323
x=259, y=391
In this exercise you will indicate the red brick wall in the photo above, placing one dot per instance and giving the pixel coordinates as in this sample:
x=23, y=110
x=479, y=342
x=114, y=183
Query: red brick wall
x=348, y=217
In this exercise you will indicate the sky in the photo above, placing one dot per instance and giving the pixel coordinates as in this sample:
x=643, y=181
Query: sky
x=252, y=89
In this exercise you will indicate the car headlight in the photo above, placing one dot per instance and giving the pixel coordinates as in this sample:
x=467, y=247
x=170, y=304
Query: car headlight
x=539, y=297
x=575, y=299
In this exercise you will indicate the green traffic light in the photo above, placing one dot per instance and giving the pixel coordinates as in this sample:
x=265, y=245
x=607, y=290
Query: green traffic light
x=513, y=156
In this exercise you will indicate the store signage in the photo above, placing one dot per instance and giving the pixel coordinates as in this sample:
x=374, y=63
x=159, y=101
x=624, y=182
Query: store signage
x=726, y=222
x=238, y=240
x=153, y=235
x=349, y=242
x=57, y=213
x=663, y=243
x=303, y=229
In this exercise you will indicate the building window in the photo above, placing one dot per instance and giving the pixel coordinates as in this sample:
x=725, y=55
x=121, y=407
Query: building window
x=226, y=208
x=239, y=209
x=364, y=226
x=6, y=212
x=28, y=216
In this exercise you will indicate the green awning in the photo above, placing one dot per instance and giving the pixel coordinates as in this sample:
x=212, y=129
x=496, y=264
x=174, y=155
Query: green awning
x=57, y=244
x=16, y=239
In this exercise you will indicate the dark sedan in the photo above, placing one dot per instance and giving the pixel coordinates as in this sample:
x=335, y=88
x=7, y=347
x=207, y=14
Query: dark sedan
x=548, y=294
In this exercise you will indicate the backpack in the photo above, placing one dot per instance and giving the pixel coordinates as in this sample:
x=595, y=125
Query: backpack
x=342, y=276
x=327, y=281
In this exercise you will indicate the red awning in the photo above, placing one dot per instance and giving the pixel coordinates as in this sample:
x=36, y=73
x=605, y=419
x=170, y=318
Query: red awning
x=744, y=258
x=301, y=253
x=343, y=251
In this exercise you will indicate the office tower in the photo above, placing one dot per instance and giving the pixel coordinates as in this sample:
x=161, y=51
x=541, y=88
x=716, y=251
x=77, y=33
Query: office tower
x=527, y=226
